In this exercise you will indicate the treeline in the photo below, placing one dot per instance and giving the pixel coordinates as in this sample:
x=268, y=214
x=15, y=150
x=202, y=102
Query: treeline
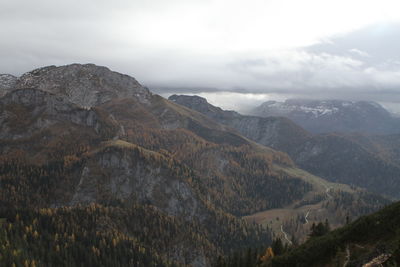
x=70, y=237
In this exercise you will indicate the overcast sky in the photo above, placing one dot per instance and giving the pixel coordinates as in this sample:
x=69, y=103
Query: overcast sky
x=234, y=52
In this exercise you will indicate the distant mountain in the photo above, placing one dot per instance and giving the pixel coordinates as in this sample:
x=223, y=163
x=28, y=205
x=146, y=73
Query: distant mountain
x=277, y=132
x=324, y=116
x=360, y=160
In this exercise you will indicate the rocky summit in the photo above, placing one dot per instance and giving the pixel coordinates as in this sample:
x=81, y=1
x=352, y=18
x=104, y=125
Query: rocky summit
x=85, y=85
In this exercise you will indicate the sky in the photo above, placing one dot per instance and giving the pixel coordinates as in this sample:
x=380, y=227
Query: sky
x=236, y=53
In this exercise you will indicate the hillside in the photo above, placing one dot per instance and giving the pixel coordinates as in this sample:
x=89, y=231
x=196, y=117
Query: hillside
x=134, y=150
x=275, y=132
x=327, y=201
x=353, y=159
x=370, y=239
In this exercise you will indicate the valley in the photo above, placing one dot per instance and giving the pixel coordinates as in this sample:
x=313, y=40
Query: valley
x=332, y=201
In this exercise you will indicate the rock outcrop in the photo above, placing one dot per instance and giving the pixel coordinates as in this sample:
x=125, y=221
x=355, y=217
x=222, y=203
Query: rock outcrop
x=122, y=171
x=26, y=111
x=85, y=85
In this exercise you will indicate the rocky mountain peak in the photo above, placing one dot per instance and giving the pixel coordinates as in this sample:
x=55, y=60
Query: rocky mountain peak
x=85, y=85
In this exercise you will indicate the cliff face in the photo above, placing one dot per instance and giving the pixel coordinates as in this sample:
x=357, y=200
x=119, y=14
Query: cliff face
x=28, y=111
x=121, y=171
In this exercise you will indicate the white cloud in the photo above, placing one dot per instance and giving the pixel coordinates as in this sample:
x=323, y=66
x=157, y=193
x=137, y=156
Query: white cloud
x=359, y=52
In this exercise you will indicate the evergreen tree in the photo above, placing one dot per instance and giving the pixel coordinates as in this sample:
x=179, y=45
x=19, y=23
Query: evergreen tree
x=277, y=247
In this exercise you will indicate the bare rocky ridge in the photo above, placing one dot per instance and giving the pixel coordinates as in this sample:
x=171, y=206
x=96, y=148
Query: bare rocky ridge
x=85, y=85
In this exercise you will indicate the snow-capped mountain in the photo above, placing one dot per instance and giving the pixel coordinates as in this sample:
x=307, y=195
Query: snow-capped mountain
x=321, y=116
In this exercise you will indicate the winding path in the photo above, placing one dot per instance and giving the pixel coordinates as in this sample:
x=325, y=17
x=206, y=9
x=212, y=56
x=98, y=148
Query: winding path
x=305, y=217
x=285, y=234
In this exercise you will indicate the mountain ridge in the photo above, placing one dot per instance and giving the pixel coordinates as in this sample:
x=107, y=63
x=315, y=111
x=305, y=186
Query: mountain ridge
x=323, y=116
x=344, y=158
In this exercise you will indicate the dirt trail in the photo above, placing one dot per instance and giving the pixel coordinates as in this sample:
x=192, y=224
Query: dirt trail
x=285, y=234
x=305, y=217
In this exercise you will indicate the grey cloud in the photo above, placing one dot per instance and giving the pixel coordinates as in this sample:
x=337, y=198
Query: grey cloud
x=364, y=64
x=379, y=41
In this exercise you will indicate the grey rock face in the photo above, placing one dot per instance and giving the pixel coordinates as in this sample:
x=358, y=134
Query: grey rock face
x=7, y=83
x=39, y=110
x=120, y=175
x=85, y=85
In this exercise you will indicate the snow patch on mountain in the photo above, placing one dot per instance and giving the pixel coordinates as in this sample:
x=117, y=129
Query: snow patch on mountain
x=322, y=116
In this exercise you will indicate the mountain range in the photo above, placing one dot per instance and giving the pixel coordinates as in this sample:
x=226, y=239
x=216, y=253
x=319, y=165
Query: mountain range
x=355, y=159
x=97, y=170
x=326, y=116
